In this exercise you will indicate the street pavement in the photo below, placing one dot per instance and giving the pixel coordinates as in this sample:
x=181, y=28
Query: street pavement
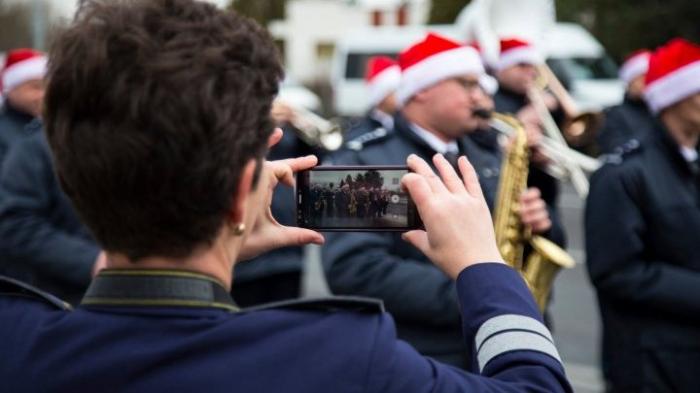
x=576, y=323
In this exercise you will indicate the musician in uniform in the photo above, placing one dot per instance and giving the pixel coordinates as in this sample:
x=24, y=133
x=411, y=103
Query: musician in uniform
x=438, y=92
x=642, y=225
x=382, y=78
x=516, y=71
x=631, y=118
x=178, y=193
x=22, y=88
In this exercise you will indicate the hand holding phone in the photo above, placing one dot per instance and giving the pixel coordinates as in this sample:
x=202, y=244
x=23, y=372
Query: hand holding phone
x=458, y=227
x=267, y=234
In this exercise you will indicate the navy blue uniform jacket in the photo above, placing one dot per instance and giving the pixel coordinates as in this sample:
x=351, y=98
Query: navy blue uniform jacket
x=13, y=127
x=631, y=119
x=642, y=231
x=421, y=298
x=129, y=349
x=41, y=238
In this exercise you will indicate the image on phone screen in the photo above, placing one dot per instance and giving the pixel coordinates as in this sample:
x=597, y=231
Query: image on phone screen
x=354, y=199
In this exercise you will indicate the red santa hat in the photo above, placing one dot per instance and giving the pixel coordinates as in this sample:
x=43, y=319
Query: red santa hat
x=383, y=77
x=22, y=65
x=432, y=60
x=515, y=51
x=635, y=65
x=674, y=74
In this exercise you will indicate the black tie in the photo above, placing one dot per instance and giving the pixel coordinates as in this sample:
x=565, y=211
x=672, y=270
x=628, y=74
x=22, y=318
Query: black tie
x=452, y=158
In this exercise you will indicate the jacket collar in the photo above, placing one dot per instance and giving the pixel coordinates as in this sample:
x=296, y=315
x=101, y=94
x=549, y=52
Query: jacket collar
x=157, y=288
x=671, y=148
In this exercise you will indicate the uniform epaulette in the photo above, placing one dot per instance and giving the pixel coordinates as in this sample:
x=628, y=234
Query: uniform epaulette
x=331, y=303
x=376, y=135
x=619, y=154
x=10, y=286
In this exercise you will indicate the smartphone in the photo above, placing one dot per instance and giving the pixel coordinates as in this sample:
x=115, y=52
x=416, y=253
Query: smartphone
x=355, y=198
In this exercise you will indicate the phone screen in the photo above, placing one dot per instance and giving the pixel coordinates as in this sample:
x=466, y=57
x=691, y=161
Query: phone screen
x=356, y=198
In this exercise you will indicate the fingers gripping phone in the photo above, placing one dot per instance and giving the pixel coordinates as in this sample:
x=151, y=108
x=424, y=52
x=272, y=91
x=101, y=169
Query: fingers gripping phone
x=355, y=198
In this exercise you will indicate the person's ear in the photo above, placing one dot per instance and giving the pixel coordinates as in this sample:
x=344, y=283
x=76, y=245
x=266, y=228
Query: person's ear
x=243, y=191
x=422, y=95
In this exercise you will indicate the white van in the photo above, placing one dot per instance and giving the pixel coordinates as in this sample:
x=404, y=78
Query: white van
x=574, y=55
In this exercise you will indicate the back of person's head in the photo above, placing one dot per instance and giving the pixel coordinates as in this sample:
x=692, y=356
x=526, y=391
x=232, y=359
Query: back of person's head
x=153, y=107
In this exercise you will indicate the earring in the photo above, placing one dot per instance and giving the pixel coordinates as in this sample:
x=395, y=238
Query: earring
x=239, y=229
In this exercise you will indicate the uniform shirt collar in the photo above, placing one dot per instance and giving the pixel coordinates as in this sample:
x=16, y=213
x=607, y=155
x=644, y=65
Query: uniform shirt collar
x=433, y=141
x=385, y=119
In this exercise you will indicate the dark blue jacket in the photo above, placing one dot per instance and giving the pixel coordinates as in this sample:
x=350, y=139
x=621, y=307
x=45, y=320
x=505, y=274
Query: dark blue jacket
x=42, y=241
x=642, y=231
x=631, y=119
x=379, y=264
x=361, y=126
x=13, y=127
x=317, y=346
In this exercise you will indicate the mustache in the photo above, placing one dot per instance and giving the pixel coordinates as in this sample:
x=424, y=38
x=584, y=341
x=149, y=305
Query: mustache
x=482, y=113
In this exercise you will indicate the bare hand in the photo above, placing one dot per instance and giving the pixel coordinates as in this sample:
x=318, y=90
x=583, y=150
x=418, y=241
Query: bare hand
x=533, y=211
x=267, y=234
x=459, y=230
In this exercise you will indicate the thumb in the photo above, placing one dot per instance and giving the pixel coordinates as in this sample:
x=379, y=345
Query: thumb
x=419, y=239
x=293, y=236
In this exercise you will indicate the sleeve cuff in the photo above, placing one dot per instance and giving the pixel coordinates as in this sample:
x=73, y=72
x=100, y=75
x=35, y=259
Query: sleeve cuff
x=499, y=314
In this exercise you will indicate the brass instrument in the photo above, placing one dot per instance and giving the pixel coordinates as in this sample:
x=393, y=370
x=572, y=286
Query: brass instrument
x=546, y=258
x=312, y=128
x=486, y=21
x=580, y=128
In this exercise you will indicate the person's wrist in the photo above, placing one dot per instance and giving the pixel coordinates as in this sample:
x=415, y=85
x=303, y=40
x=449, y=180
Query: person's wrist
x=460, y=261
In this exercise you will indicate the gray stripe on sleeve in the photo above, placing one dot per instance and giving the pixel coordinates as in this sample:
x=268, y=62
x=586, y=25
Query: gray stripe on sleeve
x=510, y=322
x=514, y=341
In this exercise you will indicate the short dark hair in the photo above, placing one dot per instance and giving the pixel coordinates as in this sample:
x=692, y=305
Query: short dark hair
x=152, y=109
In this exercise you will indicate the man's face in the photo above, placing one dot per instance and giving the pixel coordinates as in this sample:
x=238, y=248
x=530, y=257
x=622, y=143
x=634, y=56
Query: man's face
x=517, y=78
x=449, y=105
x=28, y=97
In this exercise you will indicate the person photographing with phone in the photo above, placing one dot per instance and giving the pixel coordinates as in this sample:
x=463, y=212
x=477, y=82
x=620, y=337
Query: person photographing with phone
x=177, y=196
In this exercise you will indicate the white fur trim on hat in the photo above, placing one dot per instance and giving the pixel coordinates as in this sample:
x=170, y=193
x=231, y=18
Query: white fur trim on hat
x=438, y=67
x=24, y=71
x=634, y=67
x=383, y=84
x=526, y=54
x=489, y=84
x=674, y=87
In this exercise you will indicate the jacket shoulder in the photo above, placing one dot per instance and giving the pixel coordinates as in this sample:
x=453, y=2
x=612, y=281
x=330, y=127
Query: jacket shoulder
x=373, y=137
x=626, y=152
x=357, y=304
x=11, y=287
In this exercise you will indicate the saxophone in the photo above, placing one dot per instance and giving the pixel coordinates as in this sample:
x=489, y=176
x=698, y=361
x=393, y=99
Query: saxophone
x=546, y=258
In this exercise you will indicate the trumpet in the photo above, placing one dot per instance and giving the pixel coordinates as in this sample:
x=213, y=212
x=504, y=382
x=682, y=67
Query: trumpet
x=564, y=162
x=312, y=128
